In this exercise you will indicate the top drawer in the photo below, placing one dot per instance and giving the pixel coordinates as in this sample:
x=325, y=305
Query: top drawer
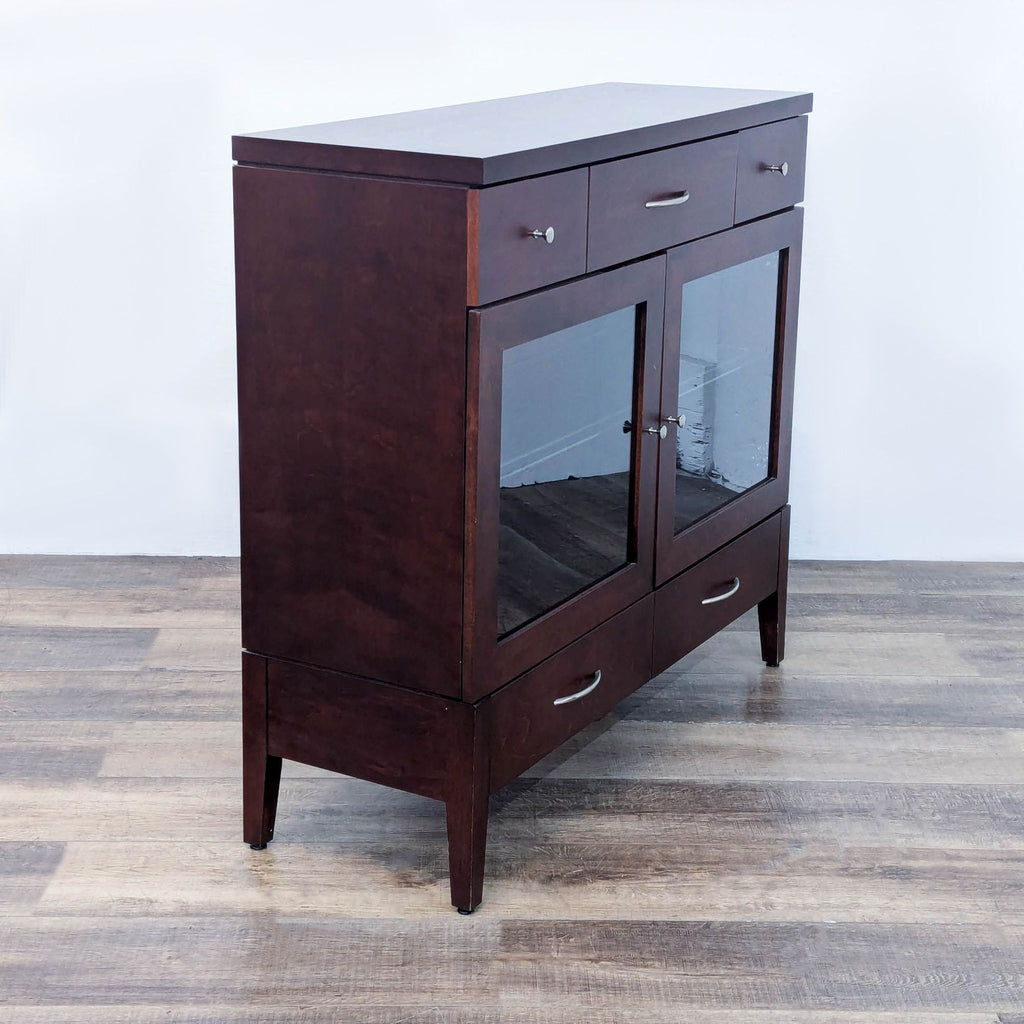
x=526, y=235
x=770, y=168
x=657, y=200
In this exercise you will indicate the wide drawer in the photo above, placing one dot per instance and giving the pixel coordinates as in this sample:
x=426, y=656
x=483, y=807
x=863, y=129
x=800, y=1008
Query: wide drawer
x=770, y=167
x=657, y=200
x=699, y=602
x=541, y=709
x=526, y=235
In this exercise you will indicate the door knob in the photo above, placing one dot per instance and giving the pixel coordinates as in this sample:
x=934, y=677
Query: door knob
x=679, y=421
x=661, y=431
x=782, y=168
x=548, y=234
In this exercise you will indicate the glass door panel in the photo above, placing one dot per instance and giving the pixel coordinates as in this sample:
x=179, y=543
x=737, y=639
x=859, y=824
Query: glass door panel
x=566, y=465
x=726, y=382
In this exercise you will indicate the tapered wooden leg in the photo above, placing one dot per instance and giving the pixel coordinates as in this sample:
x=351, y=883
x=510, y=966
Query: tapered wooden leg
x=771, y=612
x=261, y=773
x=772, y=624
x=466, y=813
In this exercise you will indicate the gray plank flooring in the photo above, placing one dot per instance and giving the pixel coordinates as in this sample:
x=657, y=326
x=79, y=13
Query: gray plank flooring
x=837, y=841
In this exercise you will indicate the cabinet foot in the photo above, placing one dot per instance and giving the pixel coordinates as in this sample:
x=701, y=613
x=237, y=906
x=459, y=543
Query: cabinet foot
x=772, y=629
x=261, y=773
x=467, y=845
x=466, y=819
x=771, y=612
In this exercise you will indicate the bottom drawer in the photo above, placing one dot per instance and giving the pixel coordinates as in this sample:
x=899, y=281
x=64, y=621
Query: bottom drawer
x=697, y=603
x=537, y=712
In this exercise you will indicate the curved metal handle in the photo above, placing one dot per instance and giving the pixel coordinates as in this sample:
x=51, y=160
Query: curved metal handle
x=661, y=431
x=589, y=688
x=678, y=200
x=721, y=597
x=782, y=168
x=548, y=234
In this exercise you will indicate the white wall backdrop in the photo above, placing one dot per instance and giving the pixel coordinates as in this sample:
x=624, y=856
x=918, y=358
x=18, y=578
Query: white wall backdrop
x=116, y=318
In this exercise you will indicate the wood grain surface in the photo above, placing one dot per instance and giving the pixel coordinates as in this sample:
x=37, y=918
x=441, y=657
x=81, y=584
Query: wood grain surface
x=519, y=136
x=351, y=452
x=836, y=841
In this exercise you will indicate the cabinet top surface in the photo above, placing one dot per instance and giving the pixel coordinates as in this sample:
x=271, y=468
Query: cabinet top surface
x=498, y=140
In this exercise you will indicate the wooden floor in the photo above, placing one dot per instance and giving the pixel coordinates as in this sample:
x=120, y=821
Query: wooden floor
x=839, y=841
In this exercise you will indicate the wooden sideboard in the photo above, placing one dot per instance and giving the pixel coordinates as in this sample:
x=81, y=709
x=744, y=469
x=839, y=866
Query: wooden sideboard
x=515, y=389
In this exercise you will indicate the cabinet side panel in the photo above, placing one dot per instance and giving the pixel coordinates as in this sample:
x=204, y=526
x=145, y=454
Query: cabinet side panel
x=351, y=380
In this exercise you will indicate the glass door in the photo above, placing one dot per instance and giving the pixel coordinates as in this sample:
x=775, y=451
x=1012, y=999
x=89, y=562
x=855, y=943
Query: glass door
x=566, y=464
x=565, y=517
x=729, y=333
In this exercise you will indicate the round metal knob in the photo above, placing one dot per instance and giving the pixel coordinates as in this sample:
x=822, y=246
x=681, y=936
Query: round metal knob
x=782, y=168
x=661, y=431
x=548, y=234
x=679, y=421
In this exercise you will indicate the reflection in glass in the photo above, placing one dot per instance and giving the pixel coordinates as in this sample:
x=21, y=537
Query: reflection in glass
x=726, y=362
x=565, y=464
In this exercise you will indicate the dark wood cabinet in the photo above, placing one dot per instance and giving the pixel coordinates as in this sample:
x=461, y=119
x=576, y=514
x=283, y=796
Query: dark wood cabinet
x=515, y=392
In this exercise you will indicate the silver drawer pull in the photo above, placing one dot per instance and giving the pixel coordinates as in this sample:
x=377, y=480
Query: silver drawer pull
x=661, y=431
x=782, y=168
x=548, y=234
x=679, y=421
x=678, y=200
x=589, y=688
x=721, y=597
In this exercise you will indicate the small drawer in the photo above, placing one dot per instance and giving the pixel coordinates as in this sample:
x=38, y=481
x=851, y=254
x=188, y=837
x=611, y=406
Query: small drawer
x=540, y=710
x=651, y=202
x=770, y=168
x=699, y=602
x=504, y=257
